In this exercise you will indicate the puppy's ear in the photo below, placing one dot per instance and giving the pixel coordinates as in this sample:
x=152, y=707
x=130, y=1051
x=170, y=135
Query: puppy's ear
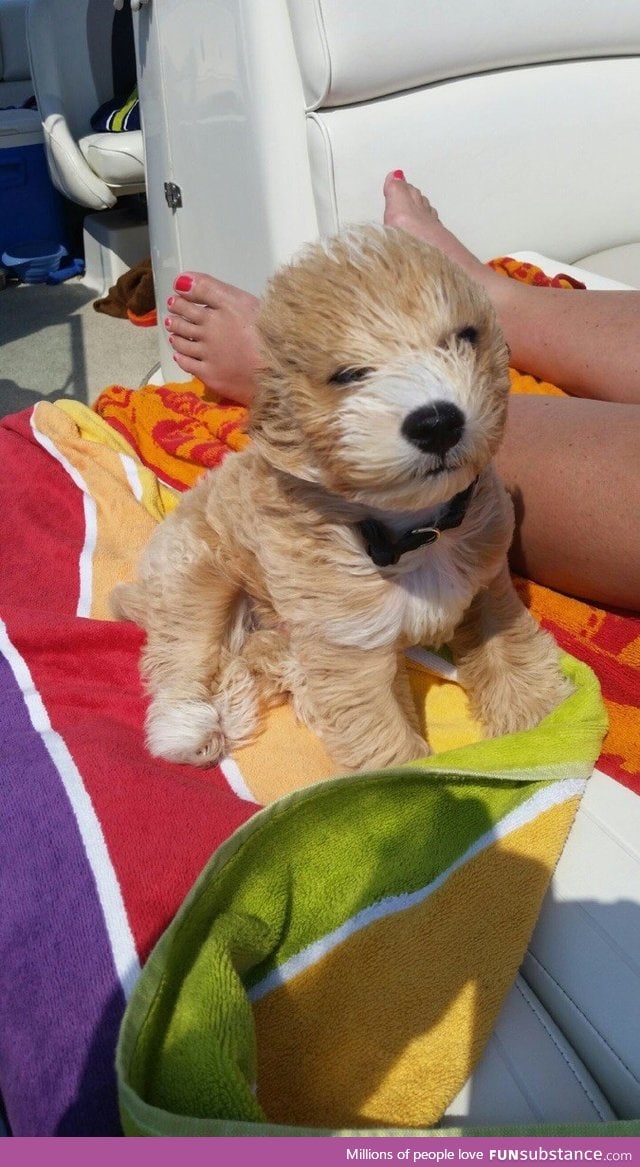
x=274, y=426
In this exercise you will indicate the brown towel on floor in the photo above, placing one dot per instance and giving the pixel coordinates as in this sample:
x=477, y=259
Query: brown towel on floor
x=133, y=294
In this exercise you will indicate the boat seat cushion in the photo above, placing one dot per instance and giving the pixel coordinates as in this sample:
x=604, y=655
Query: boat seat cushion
x=15, y=76
x=617, y=263
x=117, y=158
x=349, y=53
x=528, y=1073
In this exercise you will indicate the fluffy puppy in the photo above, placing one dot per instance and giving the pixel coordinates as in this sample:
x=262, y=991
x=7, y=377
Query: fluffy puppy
x=365, y=517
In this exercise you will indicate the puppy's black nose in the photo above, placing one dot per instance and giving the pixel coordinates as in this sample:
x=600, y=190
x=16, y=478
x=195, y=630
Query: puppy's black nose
x=434, y=428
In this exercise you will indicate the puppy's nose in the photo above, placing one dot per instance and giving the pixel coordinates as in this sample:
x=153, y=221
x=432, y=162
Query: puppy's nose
x=434, y=428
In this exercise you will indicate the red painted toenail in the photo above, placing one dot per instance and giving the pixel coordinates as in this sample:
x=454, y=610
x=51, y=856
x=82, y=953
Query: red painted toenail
x=170, y=301
x=399, y=174
x=183, y=283
x=167, y=322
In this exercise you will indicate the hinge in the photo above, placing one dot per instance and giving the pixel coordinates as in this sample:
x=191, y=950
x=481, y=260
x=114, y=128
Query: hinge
x=173, y=195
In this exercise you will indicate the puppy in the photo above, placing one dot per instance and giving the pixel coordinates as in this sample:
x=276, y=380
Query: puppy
x=365, y=517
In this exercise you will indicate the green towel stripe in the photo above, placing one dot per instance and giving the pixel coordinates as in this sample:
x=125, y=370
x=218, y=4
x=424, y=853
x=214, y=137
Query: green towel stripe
x=544, y=798
x=556, y=741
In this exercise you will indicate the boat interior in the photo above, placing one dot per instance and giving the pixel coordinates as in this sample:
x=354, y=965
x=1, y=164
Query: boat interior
x=264, y=125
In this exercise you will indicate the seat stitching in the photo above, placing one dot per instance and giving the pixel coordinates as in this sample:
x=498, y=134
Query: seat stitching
x=586, y=1019
x=537, y=1013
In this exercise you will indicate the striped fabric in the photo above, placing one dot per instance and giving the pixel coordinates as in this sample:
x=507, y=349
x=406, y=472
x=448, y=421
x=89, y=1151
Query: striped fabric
x=100, y=843
x=115, y=117
x=429, y=878
x=341, y=962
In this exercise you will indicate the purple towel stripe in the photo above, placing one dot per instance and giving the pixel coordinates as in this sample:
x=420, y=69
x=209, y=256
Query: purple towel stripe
x=47, y=891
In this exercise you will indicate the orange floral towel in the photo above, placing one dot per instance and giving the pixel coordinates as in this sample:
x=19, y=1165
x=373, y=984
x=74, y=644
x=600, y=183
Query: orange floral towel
x=609, y=642
x=178, y=434
x=528, y=273
x=174, y=429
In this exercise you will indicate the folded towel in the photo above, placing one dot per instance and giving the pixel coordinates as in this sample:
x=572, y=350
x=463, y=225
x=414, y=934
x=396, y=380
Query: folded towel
x=175, y=429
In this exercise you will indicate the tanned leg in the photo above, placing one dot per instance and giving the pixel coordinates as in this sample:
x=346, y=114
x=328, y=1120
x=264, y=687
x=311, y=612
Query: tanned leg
x=573, y=469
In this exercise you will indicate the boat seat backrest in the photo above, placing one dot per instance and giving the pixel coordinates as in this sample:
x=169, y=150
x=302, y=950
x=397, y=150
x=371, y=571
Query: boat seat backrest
x=15, y=77
x=519, y=119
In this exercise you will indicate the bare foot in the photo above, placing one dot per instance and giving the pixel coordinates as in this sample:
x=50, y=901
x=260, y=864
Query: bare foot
x=211, y=327
x=405, y=206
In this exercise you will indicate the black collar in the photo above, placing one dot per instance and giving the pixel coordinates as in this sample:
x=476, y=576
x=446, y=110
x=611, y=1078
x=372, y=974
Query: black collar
x=385, y=550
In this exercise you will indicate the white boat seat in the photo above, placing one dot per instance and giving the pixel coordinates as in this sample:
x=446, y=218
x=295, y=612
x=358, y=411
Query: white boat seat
x=15, y=78
x=118, y=162
x=70, y=53
x=528, y=1074
x=617, y=263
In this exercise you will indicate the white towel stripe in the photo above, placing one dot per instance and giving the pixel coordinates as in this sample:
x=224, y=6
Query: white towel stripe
x=540, y=801
x=235, y=778
x=131, y=468
x=110, y=898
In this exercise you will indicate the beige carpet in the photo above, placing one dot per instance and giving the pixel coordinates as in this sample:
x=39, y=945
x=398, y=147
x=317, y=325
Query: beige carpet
x=54, y=344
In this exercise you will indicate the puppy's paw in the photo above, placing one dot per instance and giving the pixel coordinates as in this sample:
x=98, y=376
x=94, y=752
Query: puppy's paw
x=185, y=731
x=521, y=699
x=383, y=755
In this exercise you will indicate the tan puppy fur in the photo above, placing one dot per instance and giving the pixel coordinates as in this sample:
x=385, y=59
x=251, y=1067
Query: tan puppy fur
x=260, y=582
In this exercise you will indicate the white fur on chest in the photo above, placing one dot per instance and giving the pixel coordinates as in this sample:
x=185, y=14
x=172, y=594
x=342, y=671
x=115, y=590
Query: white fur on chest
x=420, y=604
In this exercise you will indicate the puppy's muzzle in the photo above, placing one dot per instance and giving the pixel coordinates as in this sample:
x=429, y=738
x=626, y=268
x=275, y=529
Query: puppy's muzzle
x=434, y=428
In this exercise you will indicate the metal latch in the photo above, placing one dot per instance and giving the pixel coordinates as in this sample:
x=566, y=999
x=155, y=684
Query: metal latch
x=173, y=195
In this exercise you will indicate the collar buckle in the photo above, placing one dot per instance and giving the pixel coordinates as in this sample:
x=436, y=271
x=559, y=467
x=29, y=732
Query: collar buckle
x=385, y=550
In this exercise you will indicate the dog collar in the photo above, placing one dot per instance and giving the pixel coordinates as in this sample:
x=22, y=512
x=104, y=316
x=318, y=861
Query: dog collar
x=385, y=550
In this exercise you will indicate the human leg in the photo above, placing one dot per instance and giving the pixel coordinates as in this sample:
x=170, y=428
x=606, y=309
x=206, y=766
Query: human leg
x=571, y=466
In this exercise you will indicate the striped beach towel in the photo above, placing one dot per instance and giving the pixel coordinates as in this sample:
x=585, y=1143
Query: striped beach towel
x=341, y=954
x=338, y=900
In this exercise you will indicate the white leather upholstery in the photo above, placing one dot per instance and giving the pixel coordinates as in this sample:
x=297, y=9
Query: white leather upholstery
x=70, y=54
x=584, y=957
x=20, y=127
x=116, y=158
x=352, y=51
x=618, y=263
x=546, y=158
x=15, y=78
x=528, y=1073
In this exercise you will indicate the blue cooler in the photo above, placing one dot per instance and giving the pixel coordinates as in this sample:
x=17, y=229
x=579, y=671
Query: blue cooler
x=30, y=206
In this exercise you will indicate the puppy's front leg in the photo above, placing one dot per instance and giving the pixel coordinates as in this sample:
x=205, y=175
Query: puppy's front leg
x=351, y=701
x=184, y=601
x=506, y=662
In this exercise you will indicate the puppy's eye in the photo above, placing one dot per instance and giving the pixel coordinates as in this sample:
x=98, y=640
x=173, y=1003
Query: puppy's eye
x=468, y=335
x=348, y=376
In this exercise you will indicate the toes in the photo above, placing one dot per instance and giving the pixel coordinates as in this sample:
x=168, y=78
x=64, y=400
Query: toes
x=188, y=327
x=190, y=365
x=185, y=347
x=178, y=307
x=200, y=288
